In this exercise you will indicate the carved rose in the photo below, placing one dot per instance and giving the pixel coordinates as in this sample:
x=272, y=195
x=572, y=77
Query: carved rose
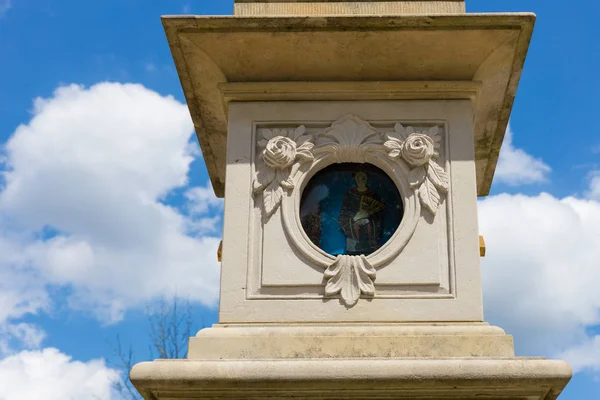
x=283, y=150
x=280, y=152
x=418, y=149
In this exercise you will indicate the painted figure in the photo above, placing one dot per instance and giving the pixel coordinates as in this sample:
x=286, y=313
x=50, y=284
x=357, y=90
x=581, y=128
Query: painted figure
x=361, y=217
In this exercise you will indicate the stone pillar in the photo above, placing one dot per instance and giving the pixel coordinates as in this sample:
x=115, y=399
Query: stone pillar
x=415, y=95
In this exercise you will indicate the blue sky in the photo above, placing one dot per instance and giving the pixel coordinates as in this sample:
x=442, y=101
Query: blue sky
x=86, y=85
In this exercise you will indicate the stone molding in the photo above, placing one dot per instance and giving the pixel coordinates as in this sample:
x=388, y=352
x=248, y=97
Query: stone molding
x=401, y=361
x=350, y=341
x=336, y=7
x=397, y=49
x=415, y=379
x=381, y=90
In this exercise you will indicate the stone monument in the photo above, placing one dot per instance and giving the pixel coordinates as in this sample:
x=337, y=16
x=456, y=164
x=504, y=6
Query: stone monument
x=350, y=140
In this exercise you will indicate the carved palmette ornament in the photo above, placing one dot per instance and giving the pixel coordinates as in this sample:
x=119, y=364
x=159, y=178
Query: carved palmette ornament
x=350, y=276
x=282, y=151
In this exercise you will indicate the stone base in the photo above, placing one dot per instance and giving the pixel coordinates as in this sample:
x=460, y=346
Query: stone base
x=248, y=342
x=514, y=379
x=396, y=361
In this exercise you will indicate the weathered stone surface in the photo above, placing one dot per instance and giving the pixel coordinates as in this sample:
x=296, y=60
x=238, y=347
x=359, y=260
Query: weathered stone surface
x=426, y=379
x=352, y=361
x=349, y=341
x=356, y=7
x=485, y=48
x=428, y=272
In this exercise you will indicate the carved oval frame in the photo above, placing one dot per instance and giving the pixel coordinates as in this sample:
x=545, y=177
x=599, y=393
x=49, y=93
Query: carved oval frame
x=389, y=250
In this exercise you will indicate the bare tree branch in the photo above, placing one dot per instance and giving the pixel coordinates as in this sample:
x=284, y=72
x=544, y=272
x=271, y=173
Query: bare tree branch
x=124, y=364
x=170, y=326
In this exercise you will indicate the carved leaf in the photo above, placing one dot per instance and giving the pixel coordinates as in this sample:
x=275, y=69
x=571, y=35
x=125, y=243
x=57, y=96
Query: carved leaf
x=287, y=183
x=434, y=133
x=264, y=176
x=373, y=139
x=393, y=143
x=335, y=276
x=272, y=197
x=283, y=176
x=302, y=140
x=308, y=146
x=298, y=133
x=350, y=276
x=438, y=176
x=280, y=132
x=416, y=176
x=366, y=275
x=294, y=170
x=350, y=292
x=400, y=131
x=268, y=134
x=394, y=154
x=328, y=148
x=430, y=198
x=304, y=153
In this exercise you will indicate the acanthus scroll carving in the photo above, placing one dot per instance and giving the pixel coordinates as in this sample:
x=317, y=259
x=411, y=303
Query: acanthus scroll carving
x=282, y=151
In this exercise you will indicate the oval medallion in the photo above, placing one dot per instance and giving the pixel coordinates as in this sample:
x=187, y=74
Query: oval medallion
x=350, y=208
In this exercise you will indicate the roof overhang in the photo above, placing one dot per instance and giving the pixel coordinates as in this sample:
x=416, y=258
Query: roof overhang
x=474, y=56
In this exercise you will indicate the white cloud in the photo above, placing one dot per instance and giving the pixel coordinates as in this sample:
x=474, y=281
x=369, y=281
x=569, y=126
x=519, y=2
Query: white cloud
x=516, y=167
x=202, y=199
x=21, y=289
x=585, y=356
x=51, y=375
x=594, y=188
x=541, y=271
x=21, y=293
x=25, y=335
x=202, y=204
x=81, y=204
